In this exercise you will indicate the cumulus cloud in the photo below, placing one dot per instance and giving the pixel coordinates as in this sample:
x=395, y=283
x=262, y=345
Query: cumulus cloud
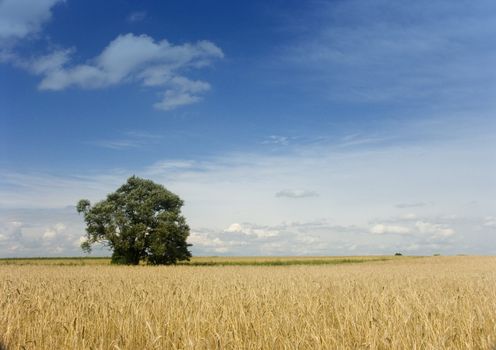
x=133, y=58
x=182, y=91
x=77, y=243
x=239, y=188
x=323, y=238
x=33, y=232
x=47, y=63
x=20, y=18
x=234, y=228
x=253, y=230
x=296, y=193
x=381, y=229
x=10, y=231
x=208, y=243
x=287, y=238
x=389, y=229
x=434, y=228
x=128, y=58
x=52, y=232
x=437, y=230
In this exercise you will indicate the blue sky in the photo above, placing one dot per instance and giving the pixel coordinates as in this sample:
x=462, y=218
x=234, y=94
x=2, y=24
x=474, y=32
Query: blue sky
x=289, y=127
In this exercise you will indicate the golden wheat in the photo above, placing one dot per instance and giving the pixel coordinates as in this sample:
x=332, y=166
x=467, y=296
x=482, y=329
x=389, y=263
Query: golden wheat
x=427, y=303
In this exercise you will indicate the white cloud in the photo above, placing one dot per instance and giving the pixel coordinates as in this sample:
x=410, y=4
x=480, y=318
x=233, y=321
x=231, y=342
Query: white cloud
x=130, y=58
x=129, y=139
x=410, y=205
x=136, y=57
x=422, y=227
x=49, y=234
x=137, y=16
x=173, y=166
x=358, y=189
x=54, y=231
x=248, y=229
x=77, y=242
x=47, y=63
x=211, y=245
x=276, y=140
x=490, y=221
x=234, y=228
x=182, y=92
x=437, y=230
x=253, y=239
x=10, y=229
x=59, y=227
x=296, y=193
x=408, y=216
x=305, y=238
x=389, y=229
x=19, y=18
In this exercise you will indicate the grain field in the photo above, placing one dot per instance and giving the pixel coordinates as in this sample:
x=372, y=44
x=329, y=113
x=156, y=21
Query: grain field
x=423, y=303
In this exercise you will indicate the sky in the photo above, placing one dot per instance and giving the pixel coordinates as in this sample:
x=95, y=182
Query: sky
x=344, y=127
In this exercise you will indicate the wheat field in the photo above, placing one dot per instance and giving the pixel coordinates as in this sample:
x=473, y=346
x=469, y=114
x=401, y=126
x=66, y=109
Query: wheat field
x=423, y=303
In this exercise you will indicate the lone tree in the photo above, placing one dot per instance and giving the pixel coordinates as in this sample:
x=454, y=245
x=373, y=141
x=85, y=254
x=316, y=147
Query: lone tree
x=140, y=221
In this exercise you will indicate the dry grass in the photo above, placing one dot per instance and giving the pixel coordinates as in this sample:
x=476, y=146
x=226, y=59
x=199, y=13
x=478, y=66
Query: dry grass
x=428, y=303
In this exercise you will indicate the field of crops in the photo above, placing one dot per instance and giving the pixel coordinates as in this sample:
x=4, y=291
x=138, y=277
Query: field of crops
x=370, y=303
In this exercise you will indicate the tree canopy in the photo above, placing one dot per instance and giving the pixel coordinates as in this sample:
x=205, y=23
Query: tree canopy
x=141, y=221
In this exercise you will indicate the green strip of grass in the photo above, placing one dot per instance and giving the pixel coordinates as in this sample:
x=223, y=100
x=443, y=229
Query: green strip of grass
x=58, y=258
x=280, y=262
x=236, y=261
x=51, y=261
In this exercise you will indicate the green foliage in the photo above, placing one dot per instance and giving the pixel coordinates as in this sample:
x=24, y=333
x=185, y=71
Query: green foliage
x=140, y=221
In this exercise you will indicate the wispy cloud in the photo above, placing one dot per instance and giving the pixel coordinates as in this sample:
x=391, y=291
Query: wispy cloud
x=276, y=140
x=490, y=221
x=296, y=193
x=129, y=139
x=411, y=205
x=396, y=52
x=357, y=140
x=137, y=16
x=230, y=197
